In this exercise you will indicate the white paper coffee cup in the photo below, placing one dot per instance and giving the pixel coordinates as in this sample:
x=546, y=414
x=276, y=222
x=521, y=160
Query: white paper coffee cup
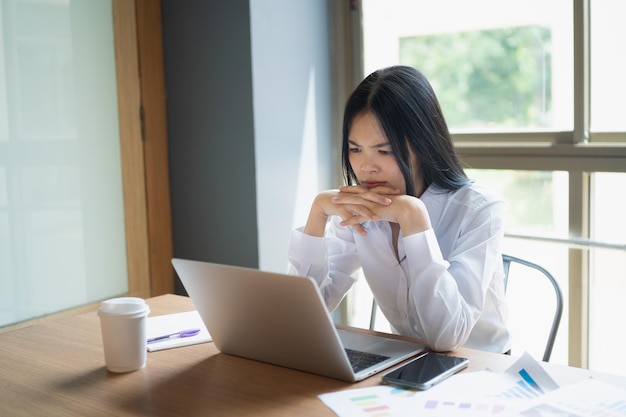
x=123, y=324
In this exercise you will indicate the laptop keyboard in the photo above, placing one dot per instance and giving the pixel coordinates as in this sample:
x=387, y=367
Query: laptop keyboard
x=362, y=360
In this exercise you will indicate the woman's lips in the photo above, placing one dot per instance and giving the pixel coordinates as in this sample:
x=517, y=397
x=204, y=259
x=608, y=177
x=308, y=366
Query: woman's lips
x=373, y=184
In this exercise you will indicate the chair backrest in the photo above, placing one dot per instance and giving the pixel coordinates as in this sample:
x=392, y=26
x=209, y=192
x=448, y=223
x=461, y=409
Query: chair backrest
x=507, y=261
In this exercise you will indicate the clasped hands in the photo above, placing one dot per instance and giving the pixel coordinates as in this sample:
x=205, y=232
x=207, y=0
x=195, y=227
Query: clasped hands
x=357, y=204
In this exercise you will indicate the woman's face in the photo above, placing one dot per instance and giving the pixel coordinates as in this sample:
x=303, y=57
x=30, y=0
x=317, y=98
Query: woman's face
x=370, y=154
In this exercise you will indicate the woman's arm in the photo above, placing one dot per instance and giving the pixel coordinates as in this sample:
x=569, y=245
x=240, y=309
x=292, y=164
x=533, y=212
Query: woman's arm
x=446, y=297
x=332, y=260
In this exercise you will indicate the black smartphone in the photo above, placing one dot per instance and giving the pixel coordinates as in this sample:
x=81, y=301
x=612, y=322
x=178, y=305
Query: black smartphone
x=425, y=371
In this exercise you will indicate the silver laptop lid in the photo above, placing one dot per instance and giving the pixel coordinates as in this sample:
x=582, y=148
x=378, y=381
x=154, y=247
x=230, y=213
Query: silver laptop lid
x=274, y=318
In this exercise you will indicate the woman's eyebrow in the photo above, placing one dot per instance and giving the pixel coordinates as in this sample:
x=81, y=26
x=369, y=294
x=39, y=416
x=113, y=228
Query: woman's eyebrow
x=379, y=145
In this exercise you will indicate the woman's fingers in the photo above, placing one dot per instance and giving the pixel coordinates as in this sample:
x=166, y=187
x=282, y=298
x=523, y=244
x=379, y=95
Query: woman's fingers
x=358, y=204
x=359, y=189
x=358, y=194
x=365, y=199
x=355, y=222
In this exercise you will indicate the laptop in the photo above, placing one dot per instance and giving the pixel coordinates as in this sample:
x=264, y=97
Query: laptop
x=282, y=320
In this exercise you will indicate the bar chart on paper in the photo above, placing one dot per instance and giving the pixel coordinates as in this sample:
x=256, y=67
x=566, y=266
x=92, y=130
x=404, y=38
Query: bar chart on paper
x=481, y=408
x=371, y=405
x=385, y=401
x=379, y=404
x=525, y=388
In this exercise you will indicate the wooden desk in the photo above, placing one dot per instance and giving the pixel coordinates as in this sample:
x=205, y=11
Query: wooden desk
x=57, y=369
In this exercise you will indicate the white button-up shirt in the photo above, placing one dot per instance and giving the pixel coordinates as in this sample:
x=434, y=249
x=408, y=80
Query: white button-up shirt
x=447, y=289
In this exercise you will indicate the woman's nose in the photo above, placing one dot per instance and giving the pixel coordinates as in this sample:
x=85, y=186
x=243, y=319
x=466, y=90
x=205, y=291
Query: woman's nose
x=368, y=165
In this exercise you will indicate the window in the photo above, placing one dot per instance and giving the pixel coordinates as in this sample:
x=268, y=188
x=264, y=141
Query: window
x=491, y=71
x=607, y=278
x=528, y=91
x=545, y=214
x=607, y=65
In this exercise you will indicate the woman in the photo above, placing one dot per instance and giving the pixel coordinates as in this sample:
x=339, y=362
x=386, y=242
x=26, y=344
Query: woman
x=426, y=237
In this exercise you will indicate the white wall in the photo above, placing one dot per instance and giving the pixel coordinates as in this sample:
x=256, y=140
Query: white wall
x=292, y=117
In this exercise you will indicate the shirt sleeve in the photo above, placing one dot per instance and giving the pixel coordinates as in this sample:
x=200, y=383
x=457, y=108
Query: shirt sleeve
x=332, y=261
x=446, y=297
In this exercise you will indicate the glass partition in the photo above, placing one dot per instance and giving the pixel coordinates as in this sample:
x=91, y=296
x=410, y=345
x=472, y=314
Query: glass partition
x=62, y=236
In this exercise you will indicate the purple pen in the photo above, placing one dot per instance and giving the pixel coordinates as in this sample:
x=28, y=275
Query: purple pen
x=183, y=333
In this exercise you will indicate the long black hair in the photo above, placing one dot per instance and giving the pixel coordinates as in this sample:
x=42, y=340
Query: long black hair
x=403, y=101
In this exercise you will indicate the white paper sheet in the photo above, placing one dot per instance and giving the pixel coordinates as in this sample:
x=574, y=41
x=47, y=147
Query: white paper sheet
x=586, y=398
x=467, y=394
x=172, y=323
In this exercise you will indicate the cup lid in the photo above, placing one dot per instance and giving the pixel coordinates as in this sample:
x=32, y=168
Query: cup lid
x=123, y=306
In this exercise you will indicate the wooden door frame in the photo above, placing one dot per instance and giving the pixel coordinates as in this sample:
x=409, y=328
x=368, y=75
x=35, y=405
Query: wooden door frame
x=155, y=141
x=144, y=148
